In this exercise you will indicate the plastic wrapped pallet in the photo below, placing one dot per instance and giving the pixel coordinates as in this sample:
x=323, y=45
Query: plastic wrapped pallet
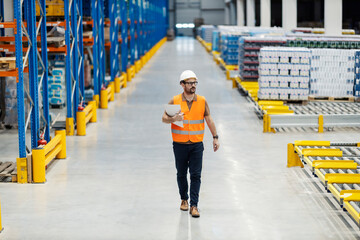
x=207, y=32
x=216, y=40
x=318, y=41
x=249, y=48
x=284, y=73
x=357, y=74
x=11, y=108
x=230, y=47
x=332, y=72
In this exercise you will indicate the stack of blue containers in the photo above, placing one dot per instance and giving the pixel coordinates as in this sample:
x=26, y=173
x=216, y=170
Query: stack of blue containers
x=216, y=40
x=357, y=74
x=57, y=91
x=230, y=48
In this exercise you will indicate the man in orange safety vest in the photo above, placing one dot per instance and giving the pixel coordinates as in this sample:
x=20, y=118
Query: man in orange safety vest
x=188, y=140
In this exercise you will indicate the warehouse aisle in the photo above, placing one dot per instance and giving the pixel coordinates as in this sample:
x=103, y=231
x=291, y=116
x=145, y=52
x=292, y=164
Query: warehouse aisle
x=119, y=182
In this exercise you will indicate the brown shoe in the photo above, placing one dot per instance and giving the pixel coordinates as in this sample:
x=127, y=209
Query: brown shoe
x=184, y=205
x=194, y=212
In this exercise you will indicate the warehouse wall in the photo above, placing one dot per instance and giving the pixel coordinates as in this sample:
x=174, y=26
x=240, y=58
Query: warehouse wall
x=185, y=11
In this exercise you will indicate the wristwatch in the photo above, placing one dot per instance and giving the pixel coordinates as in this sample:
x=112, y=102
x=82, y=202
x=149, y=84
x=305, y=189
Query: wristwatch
x=216, y=137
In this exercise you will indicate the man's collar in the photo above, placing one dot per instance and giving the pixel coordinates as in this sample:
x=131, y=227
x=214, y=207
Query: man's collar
x=184, y=99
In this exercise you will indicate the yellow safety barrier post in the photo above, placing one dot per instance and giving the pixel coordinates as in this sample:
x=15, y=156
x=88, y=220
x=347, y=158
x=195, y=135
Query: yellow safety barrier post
x=1, y=227
x=97, y=100
x=321, y=124
x=265, y=127
x=104, y=98
x=133, y=71
x=70, y=129
x=107, y=95
x=138, y=66
x=129, y=75
x=22, y=172
x=123, y=80
x=236, y=80
x=293, y=159
x=42, y=156
x=117, y=85
x=88, y=114
x=143, y=62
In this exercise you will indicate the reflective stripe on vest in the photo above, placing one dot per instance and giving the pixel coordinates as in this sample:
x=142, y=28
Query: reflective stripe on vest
x=193, y=124
x=193, y=121
x=187, y=132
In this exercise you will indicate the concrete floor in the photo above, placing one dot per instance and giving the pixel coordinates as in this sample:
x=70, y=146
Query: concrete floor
x=119, y=182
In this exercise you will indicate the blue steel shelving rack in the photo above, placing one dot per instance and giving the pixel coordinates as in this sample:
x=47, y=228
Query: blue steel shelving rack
x=132, y=31
x=124, y=36
x=140, y=29
x=101, y=19
x=74, y=61
x=114, y=40
x=151, y=27
x=39, y=119
x=95, y=13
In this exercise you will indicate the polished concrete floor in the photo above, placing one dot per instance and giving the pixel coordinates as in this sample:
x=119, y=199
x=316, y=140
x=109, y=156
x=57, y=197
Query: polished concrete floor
x=119, y=182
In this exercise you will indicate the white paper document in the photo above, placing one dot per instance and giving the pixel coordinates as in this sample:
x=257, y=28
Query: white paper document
x=171, y=110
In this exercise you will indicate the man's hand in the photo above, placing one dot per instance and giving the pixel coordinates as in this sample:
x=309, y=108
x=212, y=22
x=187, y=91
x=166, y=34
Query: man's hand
x=179, y=117
x=216, y=144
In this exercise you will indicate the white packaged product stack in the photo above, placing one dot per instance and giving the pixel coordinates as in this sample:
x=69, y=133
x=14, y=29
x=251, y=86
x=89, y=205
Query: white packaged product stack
x=284, y=73
x=207, y=32
x=332, y=72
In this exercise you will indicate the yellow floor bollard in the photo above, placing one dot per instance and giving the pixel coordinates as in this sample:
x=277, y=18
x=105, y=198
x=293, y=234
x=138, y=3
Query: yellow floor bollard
x=1, y=227
x=124, y=75
x=70, y=126
x=128, y=73
x=96, y=99
x=103, y=99
x=38, y=165
x=117, y=84
x=293, y=159
x=80, y=123
x=321, y=124
x=21, y=165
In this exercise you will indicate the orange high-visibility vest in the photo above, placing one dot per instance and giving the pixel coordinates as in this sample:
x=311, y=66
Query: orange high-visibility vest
x=194, y=126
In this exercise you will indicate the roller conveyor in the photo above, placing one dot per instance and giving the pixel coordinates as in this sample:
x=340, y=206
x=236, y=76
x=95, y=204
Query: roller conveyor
x=337, y=165
x=314, y=115
x=326, y=108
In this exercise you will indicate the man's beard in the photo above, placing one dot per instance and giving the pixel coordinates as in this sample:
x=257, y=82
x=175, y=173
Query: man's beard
x=190, y=91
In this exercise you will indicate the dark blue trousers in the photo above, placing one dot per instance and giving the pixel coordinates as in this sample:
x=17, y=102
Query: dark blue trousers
x=189, y=156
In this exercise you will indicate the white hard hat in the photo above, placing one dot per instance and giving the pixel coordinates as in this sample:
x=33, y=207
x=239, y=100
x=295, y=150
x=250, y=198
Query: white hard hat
x=187, y=74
